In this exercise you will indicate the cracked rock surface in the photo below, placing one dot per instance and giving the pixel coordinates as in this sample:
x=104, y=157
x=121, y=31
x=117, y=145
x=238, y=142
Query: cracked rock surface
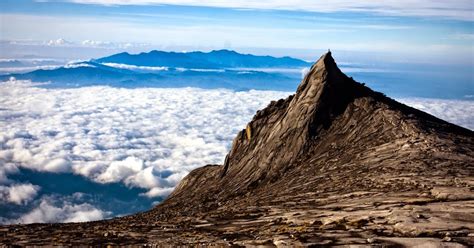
x=334, y=164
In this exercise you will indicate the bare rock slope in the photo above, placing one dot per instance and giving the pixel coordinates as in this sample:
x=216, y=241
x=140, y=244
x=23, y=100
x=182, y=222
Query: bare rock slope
x=334, y=164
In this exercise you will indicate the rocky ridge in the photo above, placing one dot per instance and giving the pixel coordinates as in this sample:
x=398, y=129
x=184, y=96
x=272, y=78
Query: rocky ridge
x=334, y=164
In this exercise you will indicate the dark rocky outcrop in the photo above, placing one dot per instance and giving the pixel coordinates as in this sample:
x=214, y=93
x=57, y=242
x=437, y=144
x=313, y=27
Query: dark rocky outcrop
x=334, y=164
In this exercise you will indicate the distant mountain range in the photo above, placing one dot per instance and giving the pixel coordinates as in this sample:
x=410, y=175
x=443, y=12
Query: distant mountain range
x=212, y=60
x=215, y=69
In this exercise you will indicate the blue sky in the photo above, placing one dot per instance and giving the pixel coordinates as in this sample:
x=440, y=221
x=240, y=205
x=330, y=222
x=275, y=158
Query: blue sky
x=414, y=31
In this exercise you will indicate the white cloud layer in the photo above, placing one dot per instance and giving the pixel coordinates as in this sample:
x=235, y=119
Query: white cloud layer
x=460, y=9
x=18, y=193
x=148, y=137
x=135, y=67
x=454, y=111
x=48, y=212
x=77, y=65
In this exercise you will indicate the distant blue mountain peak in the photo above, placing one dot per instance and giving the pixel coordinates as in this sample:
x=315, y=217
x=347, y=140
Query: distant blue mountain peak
x=202, y=60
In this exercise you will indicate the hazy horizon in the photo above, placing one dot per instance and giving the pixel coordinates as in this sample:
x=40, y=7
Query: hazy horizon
x=417, y=31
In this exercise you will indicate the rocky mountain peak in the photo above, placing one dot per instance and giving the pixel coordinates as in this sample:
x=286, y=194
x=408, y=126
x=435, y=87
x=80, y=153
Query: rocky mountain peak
x=333, y=136
x=332, y=123
x=283, y=131
x=323, y=94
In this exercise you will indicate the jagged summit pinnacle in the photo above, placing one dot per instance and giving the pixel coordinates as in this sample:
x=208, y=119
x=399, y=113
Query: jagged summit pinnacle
x=291, y=123
x=324, y=65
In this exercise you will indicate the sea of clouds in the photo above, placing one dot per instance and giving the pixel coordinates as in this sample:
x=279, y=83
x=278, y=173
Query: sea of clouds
x=146, y=138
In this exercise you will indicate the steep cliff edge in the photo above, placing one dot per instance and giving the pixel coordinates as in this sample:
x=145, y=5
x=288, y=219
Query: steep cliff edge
x=334, y=164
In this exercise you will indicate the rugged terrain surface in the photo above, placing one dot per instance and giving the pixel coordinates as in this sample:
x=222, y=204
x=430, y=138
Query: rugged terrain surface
x=334, y=164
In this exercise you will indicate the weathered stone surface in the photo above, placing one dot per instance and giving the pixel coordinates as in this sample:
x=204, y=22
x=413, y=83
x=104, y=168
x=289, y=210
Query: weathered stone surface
x=334, y=164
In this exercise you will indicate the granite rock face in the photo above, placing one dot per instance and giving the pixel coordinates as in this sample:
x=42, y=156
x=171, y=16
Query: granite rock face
x=334, y=164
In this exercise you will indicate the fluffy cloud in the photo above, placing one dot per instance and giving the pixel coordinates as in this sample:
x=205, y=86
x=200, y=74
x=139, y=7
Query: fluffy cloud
x=48, y=212
x=146, y=138
x=58, y=42
x=454, y=111
x=18, y=193
x=95, y=43
x=158, y=192
x=119, y=170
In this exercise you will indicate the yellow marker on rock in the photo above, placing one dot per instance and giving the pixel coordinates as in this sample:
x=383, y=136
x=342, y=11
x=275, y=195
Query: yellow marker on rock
x=248, y=131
